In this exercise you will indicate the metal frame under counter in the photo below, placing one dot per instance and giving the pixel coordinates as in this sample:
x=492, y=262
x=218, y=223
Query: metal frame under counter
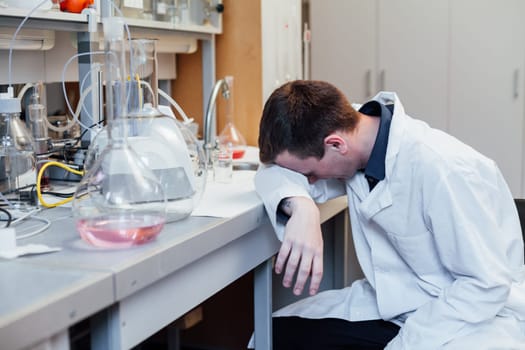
x=133, y=293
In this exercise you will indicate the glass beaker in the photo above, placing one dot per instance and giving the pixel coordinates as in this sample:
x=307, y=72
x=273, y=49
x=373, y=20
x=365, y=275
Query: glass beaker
x=230, y=137
x=119, y=202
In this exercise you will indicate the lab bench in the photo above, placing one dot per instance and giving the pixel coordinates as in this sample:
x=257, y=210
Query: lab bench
x=133, y=293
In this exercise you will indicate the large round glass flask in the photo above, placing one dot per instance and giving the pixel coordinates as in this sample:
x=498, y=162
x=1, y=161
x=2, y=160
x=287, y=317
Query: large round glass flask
x=119, y=202
x=169, y=149
x=165, y=145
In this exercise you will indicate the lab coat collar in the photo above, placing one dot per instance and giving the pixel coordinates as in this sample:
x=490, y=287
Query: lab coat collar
x=375, y=167
x=397, y=128
x=380, y=198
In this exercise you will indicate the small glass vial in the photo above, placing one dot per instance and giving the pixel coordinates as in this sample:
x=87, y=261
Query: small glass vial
x=222, y=165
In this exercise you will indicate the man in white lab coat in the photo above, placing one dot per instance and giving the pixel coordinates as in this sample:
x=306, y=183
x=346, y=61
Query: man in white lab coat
x=434, y=225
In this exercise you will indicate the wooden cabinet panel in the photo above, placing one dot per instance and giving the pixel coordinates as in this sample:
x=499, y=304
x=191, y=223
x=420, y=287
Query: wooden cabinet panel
x=238, y=53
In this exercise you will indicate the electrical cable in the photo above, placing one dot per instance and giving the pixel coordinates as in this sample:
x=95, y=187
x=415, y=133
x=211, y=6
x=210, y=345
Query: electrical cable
x=39, y=177
x=26, y=87
x=177, y=107
x=26, y=215
x=47, y=224
x=70, y=124
x=171, y=101
x=7, y=201
x=59, y=194
x=139, y=88
x=9, y=217
x=96, y=66
x=13, y=39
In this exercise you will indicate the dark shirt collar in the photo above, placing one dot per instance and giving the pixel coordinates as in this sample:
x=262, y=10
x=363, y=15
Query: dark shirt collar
x=375, y=168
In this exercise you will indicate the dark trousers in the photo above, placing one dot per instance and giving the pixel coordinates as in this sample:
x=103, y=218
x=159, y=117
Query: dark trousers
x=296, y=333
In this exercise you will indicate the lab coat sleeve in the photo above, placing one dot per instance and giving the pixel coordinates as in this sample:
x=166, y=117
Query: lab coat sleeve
x=476, y=234
x=274, y=183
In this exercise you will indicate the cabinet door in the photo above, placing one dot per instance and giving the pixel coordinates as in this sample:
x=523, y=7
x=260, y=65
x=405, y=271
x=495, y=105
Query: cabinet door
x=281, y=43
x=413, y=56
x=487, y=74
x=343, y=45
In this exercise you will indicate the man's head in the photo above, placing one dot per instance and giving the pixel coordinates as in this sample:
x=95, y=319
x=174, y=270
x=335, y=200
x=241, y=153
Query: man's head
x=299, y=115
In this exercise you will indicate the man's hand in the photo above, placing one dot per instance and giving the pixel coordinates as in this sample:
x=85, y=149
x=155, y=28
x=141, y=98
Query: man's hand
x=302, y=247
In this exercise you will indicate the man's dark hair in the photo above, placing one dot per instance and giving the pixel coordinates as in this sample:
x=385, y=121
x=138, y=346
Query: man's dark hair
x=299, y=115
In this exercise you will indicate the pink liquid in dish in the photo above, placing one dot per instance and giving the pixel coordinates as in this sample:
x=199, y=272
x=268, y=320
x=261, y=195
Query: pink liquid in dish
x=238, y=153
x=120, y=231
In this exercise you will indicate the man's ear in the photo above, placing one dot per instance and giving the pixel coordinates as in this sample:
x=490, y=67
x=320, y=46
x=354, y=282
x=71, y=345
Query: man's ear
x=335, y=142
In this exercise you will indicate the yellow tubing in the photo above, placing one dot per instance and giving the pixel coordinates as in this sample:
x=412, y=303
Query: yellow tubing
x=39, y=178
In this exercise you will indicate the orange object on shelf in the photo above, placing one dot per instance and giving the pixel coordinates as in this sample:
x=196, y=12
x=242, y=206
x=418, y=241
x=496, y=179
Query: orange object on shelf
x=74, y=6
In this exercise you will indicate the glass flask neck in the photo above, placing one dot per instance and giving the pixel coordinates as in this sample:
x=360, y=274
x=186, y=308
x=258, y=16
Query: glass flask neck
x=144, y=68
x=115, y=70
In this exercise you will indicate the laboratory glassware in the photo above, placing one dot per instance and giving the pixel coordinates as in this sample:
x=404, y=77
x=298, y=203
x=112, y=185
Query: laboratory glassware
x=164, y=145
x=209, y=7
x=133, y=8
x=162, y=10
x=119, y=202
x=184, y=7
x=17, y=157
x=230, y=136
x=37, y=122
x=222, y=165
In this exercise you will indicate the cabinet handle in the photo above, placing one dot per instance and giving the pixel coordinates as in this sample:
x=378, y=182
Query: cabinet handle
x=516, y=82
x=368, y=84
x=382, y=80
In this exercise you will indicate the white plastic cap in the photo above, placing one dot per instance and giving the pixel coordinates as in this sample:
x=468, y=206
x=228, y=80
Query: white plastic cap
x=9, y=104
x=113, y=28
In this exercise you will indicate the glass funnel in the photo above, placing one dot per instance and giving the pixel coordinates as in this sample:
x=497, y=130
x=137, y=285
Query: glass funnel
x=162, y=143
x=119, y=201
x=230, y=137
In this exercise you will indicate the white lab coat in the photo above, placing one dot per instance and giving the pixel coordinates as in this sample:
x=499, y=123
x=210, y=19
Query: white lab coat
x=438, y=240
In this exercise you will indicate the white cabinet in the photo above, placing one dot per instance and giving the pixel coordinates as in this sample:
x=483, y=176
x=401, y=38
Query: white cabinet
x=343, y=48
x=457, y=64
x=487, y=58
x=281, y=43
x=412, y=56
x=364, y=46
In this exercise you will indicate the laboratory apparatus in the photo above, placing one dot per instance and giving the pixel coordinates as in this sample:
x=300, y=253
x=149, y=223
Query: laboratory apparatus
x=182, y=12
x=130, y=8
x=163, y=144
x=119, y=202
x=222, y=165
x=37, y=122
x=209, y=8
x=211, y=142
x=230, y=137
x=17, y=156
